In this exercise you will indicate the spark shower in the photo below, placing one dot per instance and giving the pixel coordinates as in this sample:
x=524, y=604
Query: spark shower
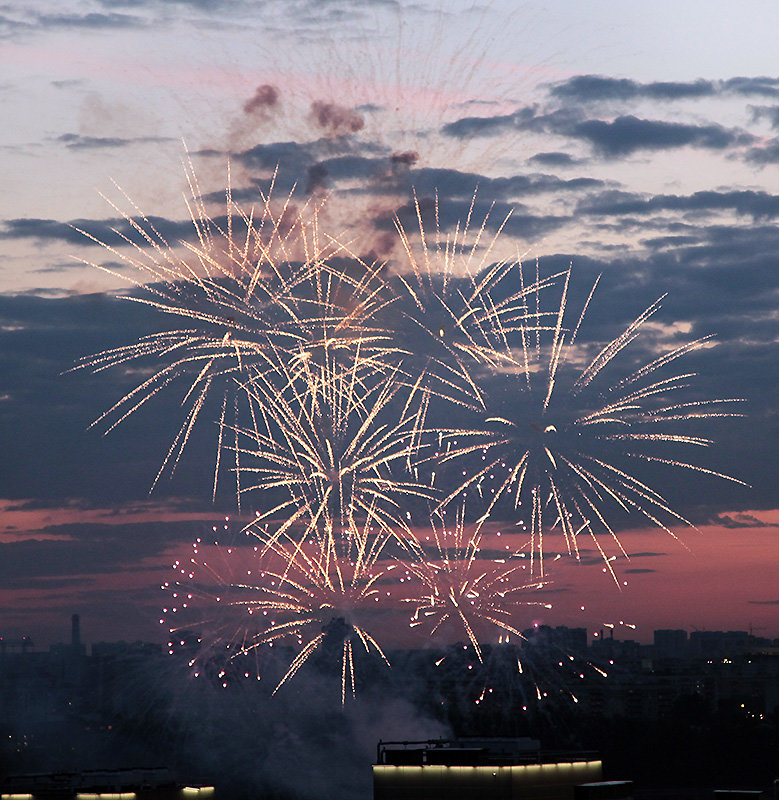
x=418, y=439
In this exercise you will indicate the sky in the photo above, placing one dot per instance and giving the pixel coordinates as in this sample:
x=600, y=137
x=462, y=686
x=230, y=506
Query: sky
x=635, y=141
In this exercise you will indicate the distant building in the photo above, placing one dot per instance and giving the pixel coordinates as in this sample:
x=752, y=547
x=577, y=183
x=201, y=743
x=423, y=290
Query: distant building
x=561, y=637
x=22, y=645
x=715, y=644
x=670, y=644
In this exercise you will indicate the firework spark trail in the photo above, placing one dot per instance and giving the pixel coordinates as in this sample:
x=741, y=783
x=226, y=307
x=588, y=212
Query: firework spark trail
x=251, y=284
x=273, y=589
x=451, y=309
x=560, y=447
x=337, y=446
x=461, y=584
x=319, y=590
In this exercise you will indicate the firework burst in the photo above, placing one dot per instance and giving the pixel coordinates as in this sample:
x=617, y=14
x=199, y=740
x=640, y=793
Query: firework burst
x=252, y=284
x=451, y=312
x=463, y=587
x=558, y=440
x=324, y=600
x=305, y=598
x=339, y=448
x=348, y=393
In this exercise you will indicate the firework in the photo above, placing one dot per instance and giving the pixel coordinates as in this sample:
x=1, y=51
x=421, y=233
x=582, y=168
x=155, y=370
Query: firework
x=325, y=599
x=349, y=393
x=271, y=590
x=252, y=284
x=338, y=446
x=463, y=586
x=455, y=303
x=558, y=440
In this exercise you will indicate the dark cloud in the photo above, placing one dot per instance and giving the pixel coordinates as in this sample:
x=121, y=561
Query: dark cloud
x=593, y=88
x=762, y=86
x=762, y=154
x=105, y=548
x=63, y=266
x=93, y=21
x=284, y=154
x=334, y=157
x=75, y=141
x=452, y=183
x=638, y=571
x=404, y=159
x=771, y=113
x=758, y=205
x=317, y=178
x=395, y=175
x=469, y=127
x=289, y=161
x=10, y=25
x=28, y=20
x=292, y=158
x=202, y=4
x=554, y=159
x=125, y=510
x=590, y=558
x=763, y=602
x=664, y=242
x=45, y=414
x=510, y=217
x=356, y=167
x=727, y=283
x=47, y=584
x=629, y=134
x=740, y=521
x=621, y=136
x=388, y=174
x=598, y=88
x=67, y=83
x=143, y=537
x=113, y=232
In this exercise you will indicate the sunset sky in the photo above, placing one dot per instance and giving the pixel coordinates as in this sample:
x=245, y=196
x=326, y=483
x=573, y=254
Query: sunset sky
x=640, y=141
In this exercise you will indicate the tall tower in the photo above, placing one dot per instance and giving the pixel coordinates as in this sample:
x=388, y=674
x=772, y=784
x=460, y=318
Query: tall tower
x=75, y=633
